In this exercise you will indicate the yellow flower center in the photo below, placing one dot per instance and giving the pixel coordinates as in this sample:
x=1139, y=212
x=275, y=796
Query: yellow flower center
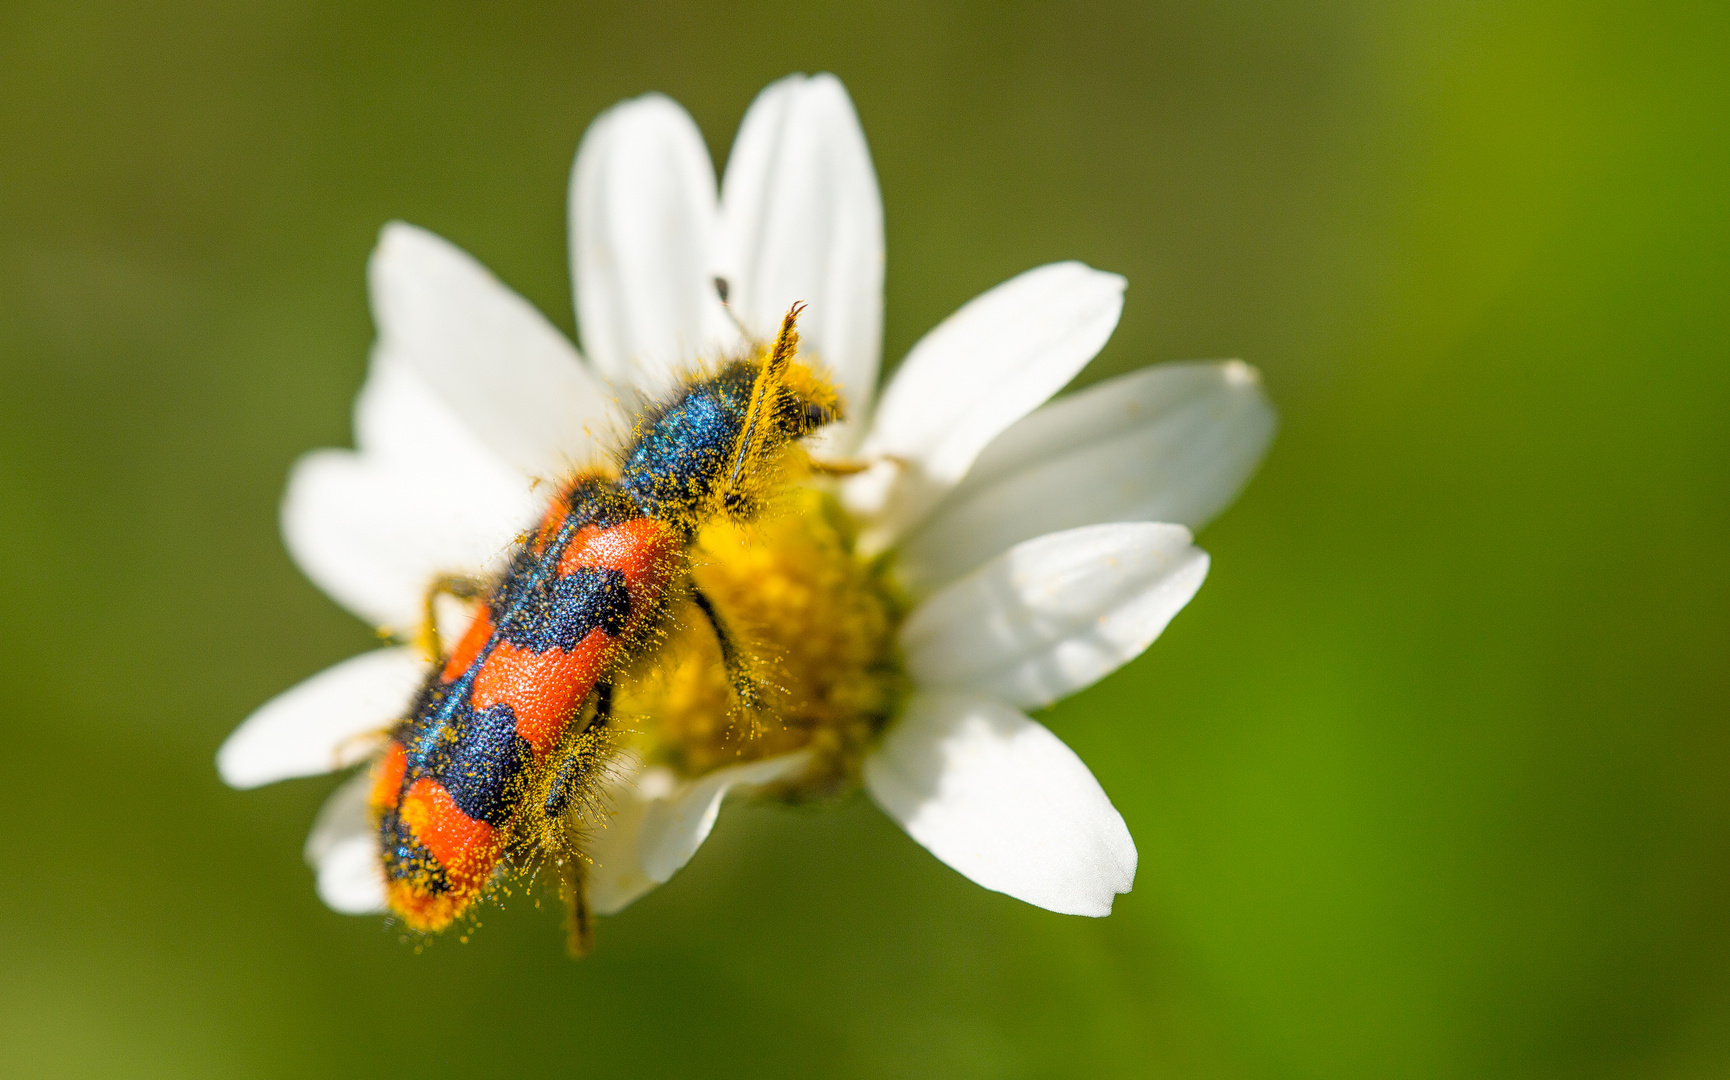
x=815, y=627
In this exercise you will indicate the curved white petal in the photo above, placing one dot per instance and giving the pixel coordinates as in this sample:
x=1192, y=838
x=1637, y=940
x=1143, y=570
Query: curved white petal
x=1054, y=614
x=643, y=216
x=495, y=361
x=802, y=219
x=1170, y=443
x=421, y=498
x=659, y=823
x=992, y=362
x=324, y=723
x=1002, y=800
x=343, y=849
x=616, y=877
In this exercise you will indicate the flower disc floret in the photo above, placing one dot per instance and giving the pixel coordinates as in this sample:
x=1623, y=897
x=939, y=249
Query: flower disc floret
x=819, y=624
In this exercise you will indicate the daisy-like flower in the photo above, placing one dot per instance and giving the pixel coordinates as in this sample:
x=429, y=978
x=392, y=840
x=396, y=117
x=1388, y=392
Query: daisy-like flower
x=996, y=553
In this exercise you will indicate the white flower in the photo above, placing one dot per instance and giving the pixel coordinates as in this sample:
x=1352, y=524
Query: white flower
x=1047, y=544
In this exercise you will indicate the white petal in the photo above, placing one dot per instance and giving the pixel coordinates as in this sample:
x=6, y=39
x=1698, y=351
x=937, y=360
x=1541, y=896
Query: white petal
x=675, y=828
x=1002, y=800
x=322, y=724
x=985, y=367
x=1170, y=443
x=343, y=848
x=643, y=218
x=422, y=498
x=658, y=824
x=494, y=360
x=803, y=220
x=616, y=877
x=1054, y=614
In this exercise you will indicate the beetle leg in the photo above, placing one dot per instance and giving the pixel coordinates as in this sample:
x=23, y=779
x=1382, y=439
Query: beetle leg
x=839, y=468
x=853, y=466
x=745, y=687
x=569, y=778
x=579, y=920
x=360, y=746
x=457, y=585
x=573, y=771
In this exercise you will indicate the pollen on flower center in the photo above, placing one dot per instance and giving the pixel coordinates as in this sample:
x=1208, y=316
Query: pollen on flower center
x=816, y=626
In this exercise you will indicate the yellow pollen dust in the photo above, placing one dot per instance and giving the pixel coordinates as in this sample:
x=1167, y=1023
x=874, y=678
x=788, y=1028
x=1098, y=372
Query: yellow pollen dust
x=815, y=627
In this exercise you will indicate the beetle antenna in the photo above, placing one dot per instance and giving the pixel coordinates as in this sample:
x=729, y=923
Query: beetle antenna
x=723, y=289
x=762, y=395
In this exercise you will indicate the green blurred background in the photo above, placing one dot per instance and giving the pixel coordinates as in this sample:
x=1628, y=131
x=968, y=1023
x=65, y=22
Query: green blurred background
x=1430, y=781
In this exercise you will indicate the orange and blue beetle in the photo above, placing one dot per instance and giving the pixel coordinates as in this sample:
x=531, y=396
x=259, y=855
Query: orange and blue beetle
x=512, y=725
